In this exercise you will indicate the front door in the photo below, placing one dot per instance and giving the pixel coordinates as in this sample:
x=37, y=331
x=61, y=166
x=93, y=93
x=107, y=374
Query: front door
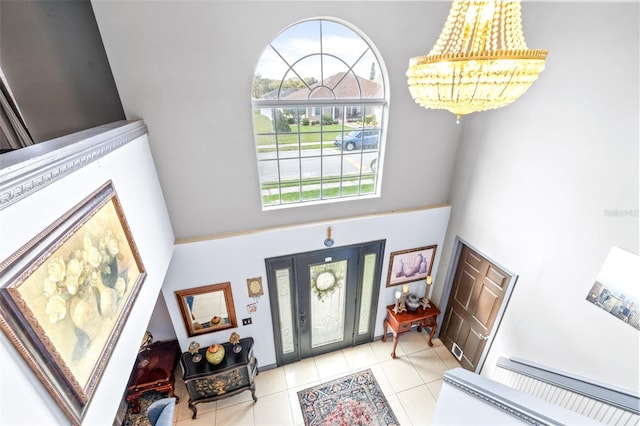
x=475, y=300
x=325, y=300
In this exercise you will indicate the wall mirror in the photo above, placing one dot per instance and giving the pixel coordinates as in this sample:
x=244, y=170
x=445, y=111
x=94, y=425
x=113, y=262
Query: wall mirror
x=207, y=309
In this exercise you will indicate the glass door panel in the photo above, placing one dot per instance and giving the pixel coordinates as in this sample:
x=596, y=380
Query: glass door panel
x=328, y=299
x=368, y=277
x=282, y=299
x=283, y=285
x=327, y=285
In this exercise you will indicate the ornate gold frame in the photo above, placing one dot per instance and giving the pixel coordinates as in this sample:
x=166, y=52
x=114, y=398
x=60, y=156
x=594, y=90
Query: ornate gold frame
x=49, y=305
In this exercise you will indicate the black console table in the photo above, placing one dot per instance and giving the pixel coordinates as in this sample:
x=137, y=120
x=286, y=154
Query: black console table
x=206, y=382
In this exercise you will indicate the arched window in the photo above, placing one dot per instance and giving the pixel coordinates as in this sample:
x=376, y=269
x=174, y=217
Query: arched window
x=319, y=110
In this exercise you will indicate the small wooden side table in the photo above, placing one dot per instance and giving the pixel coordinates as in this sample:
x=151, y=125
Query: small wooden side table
x=402, y=322
x=153, y=371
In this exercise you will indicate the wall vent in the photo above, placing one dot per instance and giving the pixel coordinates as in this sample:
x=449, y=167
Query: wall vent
x=457, y=352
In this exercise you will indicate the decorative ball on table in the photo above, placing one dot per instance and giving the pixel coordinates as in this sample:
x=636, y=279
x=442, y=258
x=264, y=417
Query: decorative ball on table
x=215, y=354
x=412, y=302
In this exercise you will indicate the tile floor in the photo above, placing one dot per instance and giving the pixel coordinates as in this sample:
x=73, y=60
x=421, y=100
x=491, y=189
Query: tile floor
x=411, y=384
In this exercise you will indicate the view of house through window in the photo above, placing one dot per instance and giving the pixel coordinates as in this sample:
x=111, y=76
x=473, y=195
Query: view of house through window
x=319, y=106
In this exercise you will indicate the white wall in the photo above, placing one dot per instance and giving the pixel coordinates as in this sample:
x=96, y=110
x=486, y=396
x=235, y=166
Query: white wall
x=160, y=324
x=23, y=400
x=534, y=182
x=187, y=67
x=237, y=258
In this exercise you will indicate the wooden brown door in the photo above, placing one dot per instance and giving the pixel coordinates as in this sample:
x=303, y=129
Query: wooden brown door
x=476, y=296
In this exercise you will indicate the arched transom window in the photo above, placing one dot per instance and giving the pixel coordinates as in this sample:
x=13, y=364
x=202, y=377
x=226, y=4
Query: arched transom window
x=319, y=109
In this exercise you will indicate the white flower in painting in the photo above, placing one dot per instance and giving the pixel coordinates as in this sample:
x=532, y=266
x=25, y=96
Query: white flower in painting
x=56, y=269
x=56, y=309
x=74, y=268
x=87, y=243
x=93, y=257
x=121, y=287
x=50, y=287
x=112, y=244
x=72, y=287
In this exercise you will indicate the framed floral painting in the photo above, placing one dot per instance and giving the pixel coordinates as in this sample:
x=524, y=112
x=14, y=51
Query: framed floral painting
x=410, y=265
x=66, y=294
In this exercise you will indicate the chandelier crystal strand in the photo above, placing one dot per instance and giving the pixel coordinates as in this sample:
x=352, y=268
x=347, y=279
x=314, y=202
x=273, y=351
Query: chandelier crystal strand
x=480, y=61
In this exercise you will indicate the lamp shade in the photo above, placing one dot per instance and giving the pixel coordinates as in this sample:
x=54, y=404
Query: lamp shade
x=480, y=61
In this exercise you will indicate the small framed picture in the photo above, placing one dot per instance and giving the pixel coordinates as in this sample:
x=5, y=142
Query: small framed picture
x=410, y=265
x=254, y=285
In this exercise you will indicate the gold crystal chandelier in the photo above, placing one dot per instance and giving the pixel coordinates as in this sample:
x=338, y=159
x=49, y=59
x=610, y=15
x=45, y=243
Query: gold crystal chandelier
x=480, y=61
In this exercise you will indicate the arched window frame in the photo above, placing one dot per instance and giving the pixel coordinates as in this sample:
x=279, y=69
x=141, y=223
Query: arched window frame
x=319, y=170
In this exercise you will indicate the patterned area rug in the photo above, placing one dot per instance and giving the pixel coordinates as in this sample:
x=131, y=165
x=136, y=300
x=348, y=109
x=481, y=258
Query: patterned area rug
x=351, y=400
x=140, y=419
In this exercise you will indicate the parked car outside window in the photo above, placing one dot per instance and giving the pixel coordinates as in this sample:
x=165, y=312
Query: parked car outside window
x=359, y=139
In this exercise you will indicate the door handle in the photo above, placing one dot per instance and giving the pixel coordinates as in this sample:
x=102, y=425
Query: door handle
x=303, y=318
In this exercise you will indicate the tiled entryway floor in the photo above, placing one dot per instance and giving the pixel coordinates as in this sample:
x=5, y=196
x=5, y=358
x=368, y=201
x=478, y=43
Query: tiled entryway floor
x=411, y=384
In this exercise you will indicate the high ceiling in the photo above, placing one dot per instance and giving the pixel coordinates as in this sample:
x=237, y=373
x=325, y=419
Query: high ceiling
x=187, y=68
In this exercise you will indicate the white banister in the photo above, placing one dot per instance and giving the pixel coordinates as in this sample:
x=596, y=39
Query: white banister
x=467, y=398
x=603, y=403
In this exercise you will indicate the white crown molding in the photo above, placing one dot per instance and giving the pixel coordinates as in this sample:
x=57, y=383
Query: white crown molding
x=27, y=170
